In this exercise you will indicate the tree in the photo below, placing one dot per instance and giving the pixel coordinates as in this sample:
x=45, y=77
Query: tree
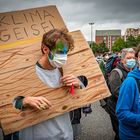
x=94, y=47
x=131, y=42
x=138, y=40
x=102, y=48
x=118, y=45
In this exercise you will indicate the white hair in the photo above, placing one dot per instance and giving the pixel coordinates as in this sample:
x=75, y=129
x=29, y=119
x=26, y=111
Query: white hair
x=127, y=50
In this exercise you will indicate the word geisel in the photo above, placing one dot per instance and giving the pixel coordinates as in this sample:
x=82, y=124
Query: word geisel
x=23, y=24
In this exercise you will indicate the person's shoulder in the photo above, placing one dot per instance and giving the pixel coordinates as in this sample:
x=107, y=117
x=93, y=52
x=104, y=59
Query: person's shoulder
x=129, y=81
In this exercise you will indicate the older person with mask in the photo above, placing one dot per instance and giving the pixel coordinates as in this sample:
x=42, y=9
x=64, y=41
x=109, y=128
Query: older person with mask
x=115, y=80
x=128, y=105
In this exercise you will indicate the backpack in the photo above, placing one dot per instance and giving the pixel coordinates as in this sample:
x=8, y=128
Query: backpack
x=111, y=64
x=103, y=102
x=109, y=67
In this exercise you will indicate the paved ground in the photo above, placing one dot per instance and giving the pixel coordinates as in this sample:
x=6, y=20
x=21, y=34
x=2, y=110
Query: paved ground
x=95, y=126
x=0, y=135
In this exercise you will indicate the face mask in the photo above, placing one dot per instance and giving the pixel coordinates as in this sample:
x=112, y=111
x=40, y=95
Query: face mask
x=130, y=63
x=57, y=60
x=106, y=57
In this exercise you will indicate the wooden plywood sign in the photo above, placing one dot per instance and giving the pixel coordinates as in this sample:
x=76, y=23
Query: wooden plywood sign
x=31, y=23
x=18, y=77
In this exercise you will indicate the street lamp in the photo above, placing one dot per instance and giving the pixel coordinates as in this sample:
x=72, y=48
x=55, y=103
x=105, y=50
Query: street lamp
x=91, y=23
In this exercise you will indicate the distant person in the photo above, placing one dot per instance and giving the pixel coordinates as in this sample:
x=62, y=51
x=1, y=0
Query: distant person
x=116, y=78
x=102, y=62
x=128, y=105
x=105, y=56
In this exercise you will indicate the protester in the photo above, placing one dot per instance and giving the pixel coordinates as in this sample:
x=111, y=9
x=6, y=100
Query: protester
x=106, y=56
x=55, y=46
x=128, y=105
x=116, y=78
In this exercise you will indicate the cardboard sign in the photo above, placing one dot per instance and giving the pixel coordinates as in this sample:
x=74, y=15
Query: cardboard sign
x=18, y=57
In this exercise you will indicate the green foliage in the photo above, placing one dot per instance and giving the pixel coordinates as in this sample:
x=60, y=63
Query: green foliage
x=131, y=42
x=118, y=45
x=93, y=46
x=138, y=40
x=101, y=48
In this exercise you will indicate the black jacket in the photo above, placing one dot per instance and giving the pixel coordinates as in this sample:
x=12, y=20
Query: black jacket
x=115, y=82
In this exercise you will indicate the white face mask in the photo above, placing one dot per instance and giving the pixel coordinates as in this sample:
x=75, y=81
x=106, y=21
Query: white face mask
x=58, y=60
x=107, y=57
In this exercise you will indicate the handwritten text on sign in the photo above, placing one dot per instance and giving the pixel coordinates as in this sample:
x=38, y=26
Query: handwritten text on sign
x=27, y=24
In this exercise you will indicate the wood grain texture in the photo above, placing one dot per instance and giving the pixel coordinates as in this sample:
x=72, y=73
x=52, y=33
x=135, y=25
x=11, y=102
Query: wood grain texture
x=22, y=80
x=29, y=23
x=18, y=77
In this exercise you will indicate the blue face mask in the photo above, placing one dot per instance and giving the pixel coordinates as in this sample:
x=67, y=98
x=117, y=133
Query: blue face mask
x=130, y=63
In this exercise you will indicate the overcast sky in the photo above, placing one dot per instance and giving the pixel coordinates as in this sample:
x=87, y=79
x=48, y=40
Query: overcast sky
x=106, y=14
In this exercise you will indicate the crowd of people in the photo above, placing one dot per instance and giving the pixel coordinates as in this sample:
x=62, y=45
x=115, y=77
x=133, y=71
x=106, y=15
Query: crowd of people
x=123, y=105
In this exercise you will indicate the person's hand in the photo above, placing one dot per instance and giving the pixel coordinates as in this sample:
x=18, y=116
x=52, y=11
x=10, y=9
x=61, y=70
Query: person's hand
x=40, y=103
x=70, y=79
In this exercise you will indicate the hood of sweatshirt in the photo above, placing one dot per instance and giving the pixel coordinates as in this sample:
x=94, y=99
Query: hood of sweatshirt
x=134, y=73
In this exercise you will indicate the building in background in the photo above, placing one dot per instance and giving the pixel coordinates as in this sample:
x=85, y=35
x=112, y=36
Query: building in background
x=131, y=31
x=107, y=36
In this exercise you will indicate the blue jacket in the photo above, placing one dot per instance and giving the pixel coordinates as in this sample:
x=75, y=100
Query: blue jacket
x=128, y=108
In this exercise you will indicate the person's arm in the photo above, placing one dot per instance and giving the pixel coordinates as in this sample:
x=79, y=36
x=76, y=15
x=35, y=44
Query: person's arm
x=115, y=83
x=21, y=102
x=125, y=104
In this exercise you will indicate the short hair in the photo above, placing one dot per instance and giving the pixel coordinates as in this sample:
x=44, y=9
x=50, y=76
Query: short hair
x=137, y=50
x=127, y=50
x=51, y=37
